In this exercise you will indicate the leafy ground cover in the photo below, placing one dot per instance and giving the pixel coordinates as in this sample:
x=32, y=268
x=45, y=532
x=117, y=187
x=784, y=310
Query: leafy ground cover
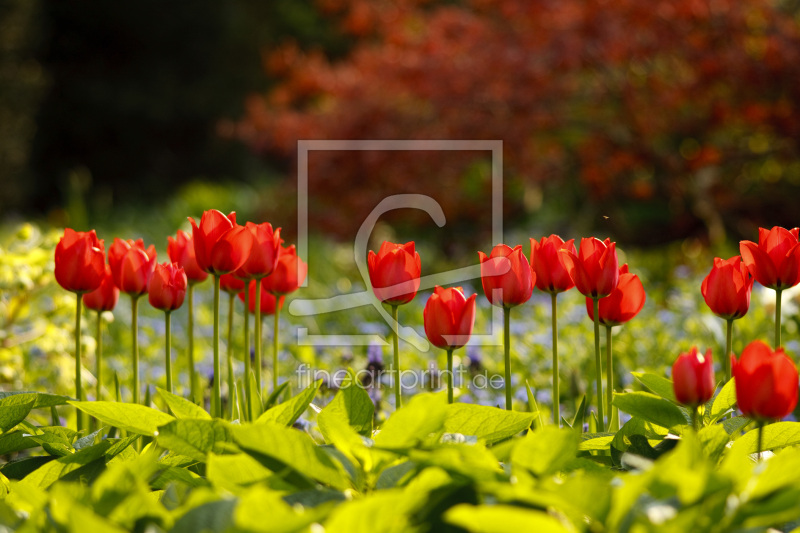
x=330, y=454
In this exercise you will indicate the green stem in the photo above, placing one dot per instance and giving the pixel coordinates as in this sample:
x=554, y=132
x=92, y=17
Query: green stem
x=695, y=418
x=556, y=395
x=778, y=318
x=258, y=337
x=135, y=343
x=507, y=354
x=396, y=346
x=598, y=364
x=192, y=377
x=215, y=396
x=247, y=388
x=230, y=355
x=168, y=359
x=728, y=349
x=99, y=357
x=760, y=438
x=78, y=386
x=449, y=375
x=609, y=380
x=275, y=345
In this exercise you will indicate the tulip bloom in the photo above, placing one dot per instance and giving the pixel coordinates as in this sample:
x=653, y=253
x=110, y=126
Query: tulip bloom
x=693, y=378
x=766, y=382
x=267, y=300
x=181, y=250
x=264, y=252
x=104, y=297
x=623, y=303
x=506, y=276
x=394, y=272
x=594, y=269
x=290, y=272
x=231, y=283
x=220, y=245
x=166, y=291
x=131, y=265
x=80, y=261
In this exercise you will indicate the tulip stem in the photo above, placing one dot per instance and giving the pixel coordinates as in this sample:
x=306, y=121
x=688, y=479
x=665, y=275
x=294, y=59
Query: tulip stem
x=230, y=355
x=556, y=396
x=192, y=378
x=135, y=343
x=258, y=336
x=449, y=375
x=247, y=388
x=396, y=346
x=215, y=397
x=507, y=354
x=728, y=349
x=78, y=387
x=610, y=380
x=99, y=357
x=778, y=318
x=168, y=335
x=695, y=418
x=275, y=344
x=760, y=439
x=598, y=363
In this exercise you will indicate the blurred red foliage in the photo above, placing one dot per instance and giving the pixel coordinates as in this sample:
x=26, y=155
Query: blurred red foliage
x=681, y=114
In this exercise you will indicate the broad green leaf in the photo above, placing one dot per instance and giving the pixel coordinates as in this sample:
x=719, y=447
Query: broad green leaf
x=283, y=517
x=487, y=423
x=211, y=517
x=137, y=419
x=658, y=384
x=596, y=442
x=714, y=439
x=651, y=408
x=283, y=450
x=181, y=407
x=471, y=462
x=353, y=405
x=43, y=399
x=55, y=440
x=14, y=408
x=288, y=412
x=724, y=401
x=194, y=438
x=272, y=399
x=502, y=518
x=384, y=511
x=533, y=407
x=415, y=421
x=49, y=473
x=232, y=471
x=15, y=441
x=777, y=435
x=545, y=451
x=337, y=431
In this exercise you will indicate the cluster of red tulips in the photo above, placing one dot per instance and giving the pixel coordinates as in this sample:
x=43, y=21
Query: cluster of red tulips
x=234, y=255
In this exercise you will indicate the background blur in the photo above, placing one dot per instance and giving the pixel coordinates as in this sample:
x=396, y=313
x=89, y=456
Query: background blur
x=649, y=122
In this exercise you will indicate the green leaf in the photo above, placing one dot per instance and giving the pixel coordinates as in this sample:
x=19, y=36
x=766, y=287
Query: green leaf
x=272, y=399
x=14, y=408
x=580, y=416
x=49, y=473
x=55, y=440
x=724, y=401
x=351, y=404
x=714, y=440
x=212, y=517
x=288, y=451
x=651, y=408
x=43, y=399
x=15, y=441
x=181, y=407
x=545, y=451
x=484, y=422
x=412, y=423
x=777, y=435
x=194, y=438
x=658, y=384
x=288, y=412
x=597, y=441
x=137, y=419
x=532, y=406
x=502, y=518
x=283, y=517
x=232, y=471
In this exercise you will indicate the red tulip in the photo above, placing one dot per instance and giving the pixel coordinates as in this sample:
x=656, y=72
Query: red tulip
x=394, y=272
x=131, y=265
x=550, y=274
x=167, y=287
x=449, y=317
x=220, y=245
x=290, y=272
x=181, y=250
x=775, y=260
x=693, y=378
x=231, y=283
x=264, y=252
x=594, y=269
x=623, y=303
x=80, y=261
x=506, y=276
x=267, y=300
x=104, y=297
x=726, y=289
x=766, y=382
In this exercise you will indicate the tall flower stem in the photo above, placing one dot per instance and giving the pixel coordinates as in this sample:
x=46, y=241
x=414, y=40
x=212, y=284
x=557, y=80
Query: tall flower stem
x=230, y=356
x=556, y=395
x=449, y=375
x=728, y=349
x=247, y=388
x=99, y=357
x=192, y=377
x=760, y=439
x=695, y=418
x=258, y=336
x=778, y=318
x=78, y=386
x=215, y=398
x=275, y=345
x=135, y=344
x=507, y=354
x=598, y=363
x=396, y=346
x=168, y=335
x=609, y=380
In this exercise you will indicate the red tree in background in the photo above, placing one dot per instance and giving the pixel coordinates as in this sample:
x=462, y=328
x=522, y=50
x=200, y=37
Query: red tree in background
x=671, y=115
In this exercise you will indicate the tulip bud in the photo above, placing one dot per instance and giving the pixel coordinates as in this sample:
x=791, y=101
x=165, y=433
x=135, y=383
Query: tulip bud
x=449, y=317
x=104, y=297
x=167, y=287
x=726, y=289
x=623, y=303
x=550, y=274
x=693, y=378
x=79, y=261
x=394, y=272
x=290, y=272
x=766, y=382
x=506, y=276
